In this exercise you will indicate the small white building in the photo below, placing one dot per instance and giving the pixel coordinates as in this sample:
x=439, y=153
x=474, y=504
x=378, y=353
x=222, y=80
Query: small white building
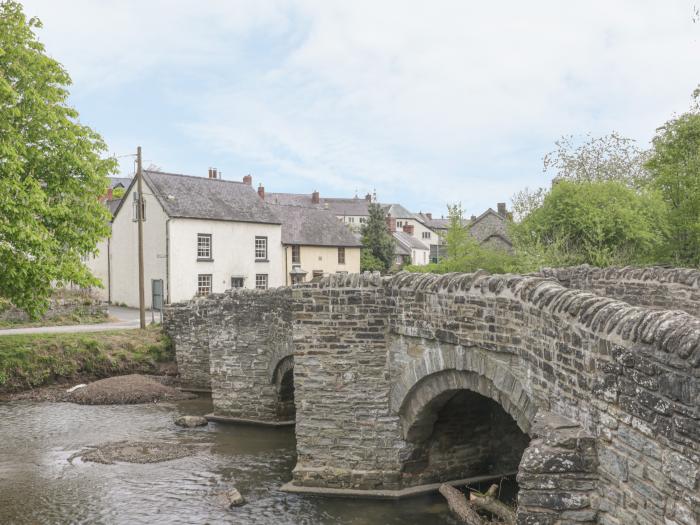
x=201, y=235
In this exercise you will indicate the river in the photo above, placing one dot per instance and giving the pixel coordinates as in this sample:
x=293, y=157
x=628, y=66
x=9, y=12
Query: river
x=39, y=485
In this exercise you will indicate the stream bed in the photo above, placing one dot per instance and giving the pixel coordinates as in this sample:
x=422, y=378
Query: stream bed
x=41, y=484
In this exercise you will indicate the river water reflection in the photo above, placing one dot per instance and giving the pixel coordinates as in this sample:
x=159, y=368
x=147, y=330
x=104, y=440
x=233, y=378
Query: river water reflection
x=38, y=483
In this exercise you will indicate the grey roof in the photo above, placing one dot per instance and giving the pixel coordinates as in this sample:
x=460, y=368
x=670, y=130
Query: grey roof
x=409, y=241
x=337, y=206
x=397, y=211
x=357, y=206
x=313, y=227
x=117, y=181
x=191, y=197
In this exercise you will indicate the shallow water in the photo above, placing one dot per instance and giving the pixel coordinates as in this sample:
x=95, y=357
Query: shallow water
x=38, y=483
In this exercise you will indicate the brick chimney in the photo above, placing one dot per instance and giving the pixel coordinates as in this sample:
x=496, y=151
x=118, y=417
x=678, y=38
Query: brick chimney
x=408, y=228
x=248, y=180
x=261, y=191
x=391, y=223
x=430, y=216
x=315, y=198
x=501, y=206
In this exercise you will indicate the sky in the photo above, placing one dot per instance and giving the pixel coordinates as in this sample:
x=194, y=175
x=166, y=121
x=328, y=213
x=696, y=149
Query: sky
x=426, y=103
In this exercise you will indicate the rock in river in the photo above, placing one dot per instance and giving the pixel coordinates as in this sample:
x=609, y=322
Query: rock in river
x=231, y=498
x=191, y=421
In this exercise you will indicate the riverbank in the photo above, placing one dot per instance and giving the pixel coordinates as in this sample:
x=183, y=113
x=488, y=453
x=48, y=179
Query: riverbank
x=29, y=361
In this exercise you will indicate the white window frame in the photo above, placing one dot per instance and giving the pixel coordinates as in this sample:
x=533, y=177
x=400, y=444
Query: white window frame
x=260, y=248
x=297, y=259
x=261, y=281
x=202, y=288
x=204, y=247
x=341, y=249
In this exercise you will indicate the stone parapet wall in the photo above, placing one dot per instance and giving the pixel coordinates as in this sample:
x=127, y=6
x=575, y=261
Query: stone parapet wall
x=252, y=336
x=654, y=287
x=186, y=325
x=63, y=305
x=346, y=435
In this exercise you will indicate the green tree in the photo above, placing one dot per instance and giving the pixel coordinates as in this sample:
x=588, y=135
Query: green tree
x=377, y=243
x=599, y=223
x=675, y=172
x=464, y=253
x=593, y=159
x=51, y=171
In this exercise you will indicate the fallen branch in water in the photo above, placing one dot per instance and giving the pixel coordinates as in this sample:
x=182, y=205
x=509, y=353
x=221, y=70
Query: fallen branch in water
x=459, y=505
x=488, y=501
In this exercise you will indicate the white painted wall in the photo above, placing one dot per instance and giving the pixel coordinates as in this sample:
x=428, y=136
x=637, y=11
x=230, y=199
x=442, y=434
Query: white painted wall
x=99, y=267
x=233, y=253
x=124, y=250
x=420, y=257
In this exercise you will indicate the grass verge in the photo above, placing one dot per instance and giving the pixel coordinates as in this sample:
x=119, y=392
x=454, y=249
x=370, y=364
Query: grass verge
x=32, y=360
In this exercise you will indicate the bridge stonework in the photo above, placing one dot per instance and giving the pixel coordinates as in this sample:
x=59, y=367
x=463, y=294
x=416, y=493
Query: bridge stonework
x=594, y=402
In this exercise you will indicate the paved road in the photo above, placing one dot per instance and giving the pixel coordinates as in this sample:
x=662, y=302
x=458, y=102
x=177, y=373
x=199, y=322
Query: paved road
x=123, y=319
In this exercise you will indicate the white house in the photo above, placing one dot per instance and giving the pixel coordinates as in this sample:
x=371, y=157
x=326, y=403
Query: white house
x=201, y=235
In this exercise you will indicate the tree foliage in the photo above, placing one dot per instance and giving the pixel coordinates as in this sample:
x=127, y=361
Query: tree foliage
x=595, y=222
x=675, y=173
x=377, y=243
x=464, y=253
x=51, y=171
x=593, y=159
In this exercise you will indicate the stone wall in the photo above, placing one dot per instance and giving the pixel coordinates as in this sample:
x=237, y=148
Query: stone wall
x=627, y=375
x=655, y=287
x=186, y=324
x=249, y=335
x=63, y=305
x=372, y=355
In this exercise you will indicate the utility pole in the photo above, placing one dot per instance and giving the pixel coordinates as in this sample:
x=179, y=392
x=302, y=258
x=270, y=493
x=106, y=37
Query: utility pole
x=139, y=186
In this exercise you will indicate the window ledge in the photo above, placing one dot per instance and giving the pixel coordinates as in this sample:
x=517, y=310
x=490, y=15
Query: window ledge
x=204, y=259
x=262, y=260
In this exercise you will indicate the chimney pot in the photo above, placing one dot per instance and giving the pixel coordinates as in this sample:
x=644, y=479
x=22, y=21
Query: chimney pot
x=248, y=180
x=261, y=191
x=315, y=198
x=408, y=228
x=391, y=223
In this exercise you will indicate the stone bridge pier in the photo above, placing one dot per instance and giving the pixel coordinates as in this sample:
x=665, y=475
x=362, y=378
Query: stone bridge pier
x=398, y=384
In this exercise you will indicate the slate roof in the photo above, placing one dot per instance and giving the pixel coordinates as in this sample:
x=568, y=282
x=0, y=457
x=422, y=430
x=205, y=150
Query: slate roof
x=116, y=181
x=191, y=197
x=337, y=206
x=313, y=227
x=398, y=212
x=409, y=241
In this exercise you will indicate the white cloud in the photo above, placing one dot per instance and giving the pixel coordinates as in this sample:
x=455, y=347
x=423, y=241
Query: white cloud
x=427, y=102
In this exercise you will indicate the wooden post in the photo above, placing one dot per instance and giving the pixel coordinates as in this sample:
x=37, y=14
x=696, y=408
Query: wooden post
x=140, y=205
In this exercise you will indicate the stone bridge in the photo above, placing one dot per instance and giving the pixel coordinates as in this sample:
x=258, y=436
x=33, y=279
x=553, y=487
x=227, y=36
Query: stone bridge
x=399, y=383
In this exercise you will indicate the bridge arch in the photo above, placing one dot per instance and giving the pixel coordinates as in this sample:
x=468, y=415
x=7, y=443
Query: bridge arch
x=448, y=368
x=283, y=380
x=462, y=414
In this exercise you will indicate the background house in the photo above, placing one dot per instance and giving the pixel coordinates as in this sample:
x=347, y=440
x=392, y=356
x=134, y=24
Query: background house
x=316, y=243
x=409, y=249
x=201, y=235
